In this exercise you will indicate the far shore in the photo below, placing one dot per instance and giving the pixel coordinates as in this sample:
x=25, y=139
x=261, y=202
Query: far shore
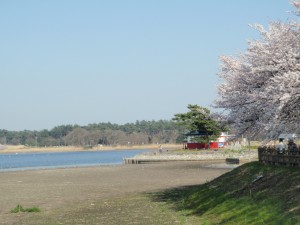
x=33, y=149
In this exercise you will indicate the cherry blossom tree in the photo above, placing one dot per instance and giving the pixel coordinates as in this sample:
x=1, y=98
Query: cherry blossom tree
x=260, y=88
x=297, y=5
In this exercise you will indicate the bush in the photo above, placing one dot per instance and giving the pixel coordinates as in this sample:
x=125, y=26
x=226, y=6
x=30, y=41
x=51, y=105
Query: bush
x=19, y=208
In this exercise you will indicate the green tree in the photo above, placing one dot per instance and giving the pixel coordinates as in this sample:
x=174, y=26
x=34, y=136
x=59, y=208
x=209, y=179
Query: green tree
x=200, y=120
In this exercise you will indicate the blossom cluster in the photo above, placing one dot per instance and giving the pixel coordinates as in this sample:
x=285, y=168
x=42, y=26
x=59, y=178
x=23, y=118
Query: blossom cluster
x=260, y=88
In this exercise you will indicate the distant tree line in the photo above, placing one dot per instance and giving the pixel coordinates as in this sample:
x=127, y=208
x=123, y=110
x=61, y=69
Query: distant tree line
x=138, y=133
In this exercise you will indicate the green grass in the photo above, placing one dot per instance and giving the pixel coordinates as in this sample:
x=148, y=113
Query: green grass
x=238, y=197
x=19, y=208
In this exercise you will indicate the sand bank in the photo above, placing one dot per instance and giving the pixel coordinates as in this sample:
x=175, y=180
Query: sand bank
x=59, y=192
x=29, y=149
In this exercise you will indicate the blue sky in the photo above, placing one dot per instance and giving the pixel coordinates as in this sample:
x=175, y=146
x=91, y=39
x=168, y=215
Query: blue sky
x=81, y=62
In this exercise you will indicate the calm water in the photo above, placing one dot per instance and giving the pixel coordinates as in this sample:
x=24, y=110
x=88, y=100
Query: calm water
x=27, y=161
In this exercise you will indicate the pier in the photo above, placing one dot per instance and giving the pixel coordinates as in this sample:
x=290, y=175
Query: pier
x=144, y=161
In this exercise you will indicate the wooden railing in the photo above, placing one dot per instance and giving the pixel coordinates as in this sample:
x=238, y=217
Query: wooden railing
x=269, y=155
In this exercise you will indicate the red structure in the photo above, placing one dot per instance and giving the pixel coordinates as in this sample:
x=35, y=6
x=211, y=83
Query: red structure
x=221, y=141
x=195, y=145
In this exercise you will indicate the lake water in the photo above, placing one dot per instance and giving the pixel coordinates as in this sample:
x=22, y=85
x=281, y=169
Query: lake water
x=28, y=161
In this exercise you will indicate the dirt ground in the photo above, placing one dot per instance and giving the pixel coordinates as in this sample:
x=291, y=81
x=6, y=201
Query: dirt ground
x=62, y=190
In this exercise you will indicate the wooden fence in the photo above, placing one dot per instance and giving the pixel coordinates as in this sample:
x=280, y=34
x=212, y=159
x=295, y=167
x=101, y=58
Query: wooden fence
x=269, y=155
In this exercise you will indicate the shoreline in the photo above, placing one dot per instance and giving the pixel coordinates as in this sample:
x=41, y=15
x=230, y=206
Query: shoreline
x=12, y=149
x=149, y=156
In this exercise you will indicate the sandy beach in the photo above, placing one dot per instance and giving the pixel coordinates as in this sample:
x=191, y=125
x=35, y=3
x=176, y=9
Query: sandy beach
x=32, y=149
x=84, y=195
x=59, y=192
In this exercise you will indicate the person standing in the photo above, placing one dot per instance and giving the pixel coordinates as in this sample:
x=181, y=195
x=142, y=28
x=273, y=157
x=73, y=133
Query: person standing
x=292, y=147
x=160, y=148
x=281, y=146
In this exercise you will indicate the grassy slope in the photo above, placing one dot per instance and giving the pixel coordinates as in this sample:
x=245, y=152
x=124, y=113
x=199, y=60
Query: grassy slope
x=238, y=197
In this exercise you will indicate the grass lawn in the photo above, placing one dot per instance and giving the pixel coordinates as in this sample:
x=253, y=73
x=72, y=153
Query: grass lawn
x=251, y=194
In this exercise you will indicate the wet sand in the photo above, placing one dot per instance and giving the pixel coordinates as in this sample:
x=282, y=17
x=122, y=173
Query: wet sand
x=53, y=189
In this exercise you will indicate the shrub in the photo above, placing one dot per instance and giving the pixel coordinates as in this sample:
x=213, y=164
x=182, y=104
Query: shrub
x=19, y=208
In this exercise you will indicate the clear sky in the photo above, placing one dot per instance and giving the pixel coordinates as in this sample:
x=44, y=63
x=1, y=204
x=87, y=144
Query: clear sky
x=89, y=61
